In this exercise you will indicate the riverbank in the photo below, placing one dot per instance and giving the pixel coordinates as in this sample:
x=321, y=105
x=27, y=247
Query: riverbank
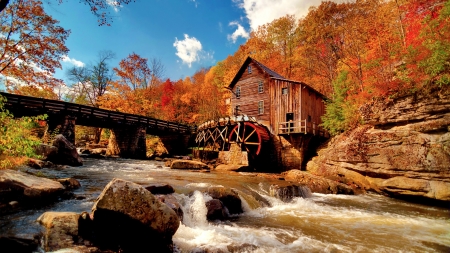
x=323, y=222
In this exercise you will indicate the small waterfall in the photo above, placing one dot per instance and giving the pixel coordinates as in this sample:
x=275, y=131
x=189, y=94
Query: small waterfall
x=287, y=193
x=195, y=210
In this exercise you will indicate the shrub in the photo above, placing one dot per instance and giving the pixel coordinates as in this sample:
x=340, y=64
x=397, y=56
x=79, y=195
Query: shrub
x=16, y=139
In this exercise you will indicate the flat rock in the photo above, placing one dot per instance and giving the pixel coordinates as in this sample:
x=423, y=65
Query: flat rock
x=230, y=167
x=16, y=185
x=188, y=165
x=316, y=183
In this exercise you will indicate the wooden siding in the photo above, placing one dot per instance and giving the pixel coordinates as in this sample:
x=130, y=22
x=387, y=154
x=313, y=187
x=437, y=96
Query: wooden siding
x=250, y=95
x=300, y=100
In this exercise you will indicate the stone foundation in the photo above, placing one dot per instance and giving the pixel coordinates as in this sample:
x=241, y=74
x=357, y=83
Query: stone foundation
x=234, y=156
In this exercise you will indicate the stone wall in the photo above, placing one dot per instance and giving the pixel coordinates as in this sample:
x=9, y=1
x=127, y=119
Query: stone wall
x=235, y=156
x=290, y=150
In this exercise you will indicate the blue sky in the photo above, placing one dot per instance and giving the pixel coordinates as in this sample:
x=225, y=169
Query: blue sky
x=184, y=34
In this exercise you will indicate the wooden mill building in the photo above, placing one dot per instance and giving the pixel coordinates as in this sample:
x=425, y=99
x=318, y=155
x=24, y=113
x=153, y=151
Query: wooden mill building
x=283, y=106
x=290, y=110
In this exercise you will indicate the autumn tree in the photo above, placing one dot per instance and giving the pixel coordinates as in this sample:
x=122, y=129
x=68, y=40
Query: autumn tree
x=428, y=42
x=91, y=82
x=32, y=45
x=134, y=90
x=98, y=7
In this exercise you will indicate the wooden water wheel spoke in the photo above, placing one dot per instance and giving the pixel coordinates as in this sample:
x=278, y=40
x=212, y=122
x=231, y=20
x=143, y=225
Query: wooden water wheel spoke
x=249, y=137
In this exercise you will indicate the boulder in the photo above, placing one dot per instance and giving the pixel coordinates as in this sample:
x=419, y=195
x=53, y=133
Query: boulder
x=36, y=164
x=173, y=203
x=216, y=210
x=402, y=151
x=61, y=230
x=67, y=153
x=45, y=150
x=188, y=165
x=69, y=183
x=16, y=185
x=229, y=198
x=316, y=183
x=160, y=188
x=129, y=218
x=288, y=192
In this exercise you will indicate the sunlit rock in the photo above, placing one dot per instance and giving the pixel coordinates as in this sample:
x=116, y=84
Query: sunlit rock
x=61, y=230
x=316, y=183
x=128, y=217
x=188, y=165
x=403, y=151
x=16, y=185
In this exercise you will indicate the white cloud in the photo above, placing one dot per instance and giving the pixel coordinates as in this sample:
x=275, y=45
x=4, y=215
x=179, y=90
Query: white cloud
x=195, y=2
x=260, y=12
x=72, y=61
x=188, y=49
x=240, y=32
x=114, y=4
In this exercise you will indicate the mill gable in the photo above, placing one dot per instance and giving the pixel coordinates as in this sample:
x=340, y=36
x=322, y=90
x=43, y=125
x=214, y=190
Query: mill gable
x=283, y=106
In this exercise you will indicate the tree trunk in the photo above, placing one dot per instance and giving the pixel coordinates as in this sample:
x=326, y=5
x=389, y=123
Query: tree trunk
x=3, y=4
x=98, y=134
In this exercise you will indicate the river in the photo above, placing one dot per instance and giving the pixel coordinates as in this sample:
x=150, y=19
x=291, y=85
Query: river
x=320, y=223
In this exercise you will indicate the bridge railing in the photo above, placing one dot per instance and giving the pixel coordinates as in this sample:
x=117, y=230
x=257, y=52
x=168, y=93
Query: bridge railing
x=67, y=108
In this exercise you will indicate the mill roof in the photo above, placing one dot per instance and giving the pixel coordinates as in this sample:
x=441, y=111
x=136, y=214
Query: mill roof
x=264, y=68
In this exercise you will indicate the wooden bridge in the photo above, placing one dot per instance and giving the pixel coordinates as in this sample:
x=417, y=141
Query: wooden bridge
x=88, y=115
x=128, y=131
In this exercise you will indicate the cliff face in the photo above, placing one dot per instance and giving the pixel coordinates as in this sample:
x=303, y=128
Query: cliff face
x=403, y=150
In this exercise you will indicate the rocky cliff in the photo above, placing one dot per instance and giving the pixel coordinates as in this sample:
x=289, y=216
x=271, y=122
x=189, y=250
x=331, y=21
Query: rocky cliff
x=403, y=149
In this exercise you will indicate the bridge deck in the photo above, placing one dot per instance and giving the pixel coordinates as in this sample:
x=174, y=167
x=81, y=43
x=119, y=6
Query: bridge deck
x=87, y=115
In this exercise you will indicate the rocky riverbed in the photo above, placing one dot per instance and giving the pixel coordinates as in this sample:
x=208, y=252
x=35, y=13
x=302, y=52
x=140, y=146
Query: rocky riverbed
x=228, y=212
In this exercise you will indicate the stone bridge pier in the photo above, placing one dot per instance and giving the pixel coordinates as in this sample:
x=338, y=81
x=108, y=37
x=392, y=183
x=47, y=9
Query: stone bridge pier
x=177, y=144
x=128, y=142
x=64, y=125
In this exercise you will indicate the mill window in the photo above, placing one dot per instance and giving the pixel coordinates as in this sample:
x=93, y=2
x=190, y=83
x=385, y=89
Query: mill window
x=261, y=107
x=238, y=92
x=249, y=69
x=260, y=87
x=284, y=91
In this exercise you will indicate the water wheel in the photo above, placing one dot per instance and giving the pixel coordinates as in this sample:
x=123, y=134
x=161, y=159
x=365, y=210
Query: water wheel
x=250, y=137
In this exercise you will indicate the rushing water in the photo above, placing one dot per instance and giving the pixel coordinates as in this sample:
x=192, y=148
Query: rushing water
x=321, y=223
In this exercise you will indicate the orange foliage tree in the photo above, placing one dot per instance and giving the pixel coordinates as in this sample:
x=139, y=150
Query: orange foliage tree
x=32, y=45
